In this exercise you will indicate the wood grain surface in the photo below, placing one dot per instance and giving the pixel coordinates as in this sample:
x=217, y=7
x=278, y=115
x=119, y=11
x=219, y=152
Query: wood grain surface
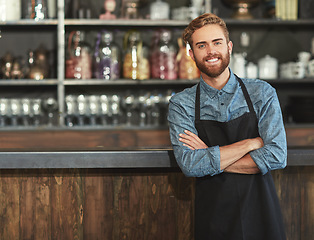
x=114, y=204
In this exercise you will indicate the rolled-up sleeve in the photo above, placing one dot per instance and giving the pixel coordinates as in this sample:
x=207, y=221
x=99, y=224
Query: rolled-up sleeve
x=193, y=163
x=273, y=155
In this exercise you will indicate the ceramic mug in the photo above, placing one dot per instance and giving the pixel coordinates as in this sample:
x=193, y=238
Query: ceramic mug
x=304, y=57
x=268, y=67
x=311, y=68
x=10, y=10
x=251, y=70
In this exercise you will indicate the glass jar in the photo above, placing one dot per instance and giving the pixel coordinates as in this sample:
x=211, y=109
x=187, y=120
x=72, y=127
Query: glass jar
x=159, y=10
x=136, y=63
x=35, y=9
x=186, y=66
x=10, y=10
x=106, y=60
x=79, y=62
x=163, y=58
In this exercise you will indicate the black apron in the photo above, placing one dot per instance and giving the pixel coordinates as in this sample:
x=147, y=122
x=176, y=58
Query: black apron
x=231, y=206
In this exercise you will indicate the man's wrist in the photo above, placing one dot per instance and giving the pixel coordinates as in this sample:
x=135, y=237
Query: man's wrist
x=254, y=143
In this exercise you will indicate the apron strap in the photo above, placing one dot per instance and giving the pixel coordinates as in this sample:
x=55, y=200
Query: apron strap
x=246, y=94
x=197, y=103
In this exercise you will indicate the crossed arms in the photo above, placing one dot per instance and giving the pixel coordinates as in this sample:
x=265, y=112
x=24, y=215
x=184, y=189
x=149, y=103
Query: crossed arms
x=234, y=157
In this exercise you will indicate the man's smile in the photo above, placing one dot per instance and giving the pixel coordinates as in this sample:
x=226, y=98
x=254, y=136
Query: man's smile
x=212, y=60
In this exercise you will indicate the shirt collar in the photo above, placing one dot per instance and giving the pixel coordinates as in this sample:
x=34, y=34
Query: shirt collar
x=230, y=87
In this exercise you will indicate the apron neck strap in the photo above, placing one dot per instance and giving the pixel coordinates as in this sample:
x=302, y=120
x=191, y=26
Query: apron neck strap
x=246, y=94
x=197, y=103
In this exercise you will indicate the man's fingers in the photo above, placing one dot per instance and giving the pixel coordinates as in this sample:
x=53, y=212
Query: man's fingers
x=193, y=136
x=191, y=140
x=187, y=132
x=187, y=140
x=190, y=147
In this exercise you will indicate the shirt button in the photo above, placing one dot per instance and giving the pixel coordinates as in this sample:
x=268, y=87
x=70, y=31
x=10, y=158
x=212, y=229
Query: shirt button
x=222, y=104
x=220, y=93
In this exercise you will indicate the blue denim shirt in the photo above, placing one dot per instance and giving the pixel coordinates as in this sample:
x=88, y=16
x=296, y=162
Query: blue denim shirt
x=224, y=105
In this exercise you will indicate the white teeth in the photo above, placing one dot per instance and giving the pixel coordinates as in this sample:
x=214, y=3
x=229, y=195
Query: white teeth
x=212, y=60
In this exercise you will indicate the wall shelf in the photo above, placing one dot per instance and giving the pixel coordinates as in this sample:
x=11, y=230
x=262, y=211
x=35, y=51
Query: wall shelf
x=60, y=27
x=28, y=82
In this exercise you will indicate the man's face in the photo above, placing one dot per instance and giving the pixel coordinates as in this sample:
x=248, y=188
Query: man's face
x=210, y=50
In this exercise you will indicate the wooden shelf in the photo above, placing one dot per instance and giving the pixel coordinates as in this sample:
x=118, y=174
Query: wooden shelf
x=177, y=23
x=28, y=82
x=30, y=22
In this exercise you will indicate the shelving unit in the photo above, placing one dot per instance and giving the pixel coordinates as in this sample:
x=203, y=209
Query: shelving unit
x=60, y=26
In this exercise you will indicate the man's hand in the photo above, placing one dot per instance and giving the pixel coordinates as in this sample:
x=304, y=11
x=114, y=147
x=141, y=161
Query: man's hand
x=191, y=140
x=229, y=154
x=244, y=165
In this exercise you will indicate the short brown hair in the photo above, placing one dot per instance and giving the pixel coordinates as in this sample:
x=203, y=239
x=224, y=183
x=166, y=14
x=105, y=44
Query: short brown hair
x=201, y=21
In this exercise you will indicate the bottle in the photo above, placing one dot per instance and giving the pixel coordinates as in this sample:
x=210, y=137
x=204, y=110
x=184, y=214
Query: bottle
x=52, y=8
x=41, y=60
x=34, y=70
x=135, y=64
x=187, y=68
x=163, y=58
x=79, y=62
x=106, y=60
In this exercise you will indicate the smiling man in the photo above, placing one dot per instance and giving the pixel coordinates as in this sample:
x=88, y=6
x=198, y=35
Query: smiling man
x=229, y=134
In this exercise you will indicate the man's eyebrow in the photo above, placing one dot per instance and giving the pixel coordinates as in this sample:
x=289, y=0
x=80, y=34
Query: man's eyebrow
x=202, y=42
x=217, y=39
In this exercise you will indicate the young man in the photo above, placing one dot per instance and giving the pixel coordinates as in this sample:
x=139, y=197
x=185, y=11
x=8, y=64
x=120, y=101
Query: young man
x=229, y=134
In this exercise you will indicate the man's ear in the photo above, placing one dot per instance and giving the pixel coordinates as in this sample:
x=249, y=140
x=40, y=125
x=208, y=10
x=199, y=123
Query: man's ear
x=191, y=54
x=230, y=46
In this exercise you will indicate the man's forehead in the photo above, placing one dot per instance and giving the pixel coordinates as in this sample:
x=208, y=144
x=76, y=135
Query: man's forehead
x=209, y=32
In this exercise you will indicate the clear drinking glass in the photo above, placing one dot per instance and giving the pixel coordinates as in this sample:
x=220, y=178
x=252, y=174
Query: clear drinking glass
x=71, y=110
x=115, y=109
x=26, y=111
x=36, y=111
x=4, y=110
x=82, y=109
x=50, y=105
x=94, y=109
x=156, y=108
x=16, y=110
x=104, y=109
x=129, y=104
x=142, y=109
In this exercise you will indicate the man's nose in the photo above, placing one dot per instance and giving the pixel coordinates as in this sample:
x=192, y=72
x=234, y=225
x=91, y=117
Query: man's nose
x=210, y=50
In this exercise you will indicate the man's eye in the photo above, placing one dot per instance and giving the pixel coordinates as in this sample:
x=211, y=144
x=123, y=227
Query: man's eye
x=217, y=43
x=201, y=46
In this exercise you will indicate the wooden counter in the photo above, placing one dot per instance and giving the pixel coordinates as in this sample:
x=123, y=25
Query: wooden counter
x=94, y=193
x=131, y=159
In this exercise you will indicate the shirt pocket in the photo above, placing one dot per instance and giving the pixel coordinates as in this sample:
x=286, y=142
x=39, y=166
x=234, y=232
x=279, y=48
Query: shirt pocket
x=237, y=110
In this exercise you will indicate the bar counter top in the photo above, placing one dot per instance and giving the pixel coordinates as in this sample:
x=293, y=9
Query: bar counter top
x=99, y=158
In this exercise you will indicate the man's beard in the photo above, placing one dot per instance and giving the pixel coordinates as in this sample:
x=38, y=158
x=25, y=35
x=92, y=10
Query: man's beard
x=213, y=71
